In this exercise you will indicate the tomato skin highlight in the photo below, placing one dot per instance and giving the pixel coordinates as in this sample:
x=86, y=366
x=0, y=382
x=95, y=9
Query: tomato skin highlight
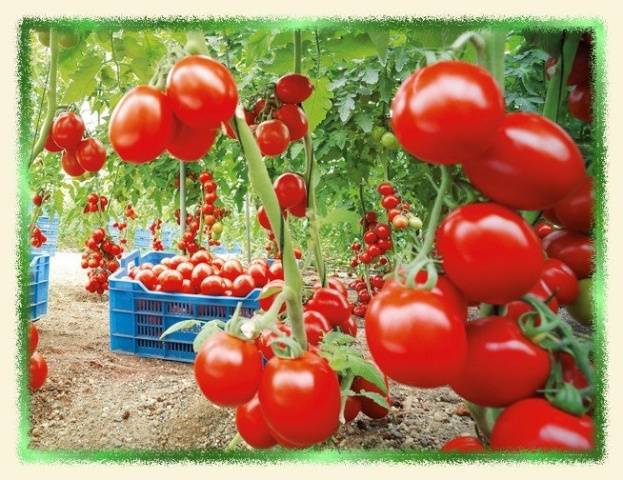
x=290, y=190
x=532, y=165
x=228, y=370
x=190, y=144
x=331, y=304
x=575, y=211
x=502, y=365
x=141, y=125
x=489, y=252
x=251, y=425
x=433, y=112
x=534, y=424
x=67, y=130
x=300, y=399
x=463, y=444
x=202, y=91
x=414, y=336
x=91, y=154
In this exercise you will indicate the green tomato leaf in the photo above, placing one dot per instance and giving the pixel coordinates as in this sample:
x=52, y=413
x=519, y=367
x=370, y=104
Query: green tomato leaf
x=319, y=103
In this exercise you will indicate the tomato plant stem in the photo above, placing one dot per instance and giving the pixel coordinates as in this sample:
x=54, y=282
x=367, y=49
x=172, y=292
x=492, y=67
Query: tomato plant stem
x=476, y=40
x=234, y=442
x=260, y=181
x=556, y=86
x=182, y=198
x=435, y=216
x=51, y=99
x=247, y=221
x=495, y=44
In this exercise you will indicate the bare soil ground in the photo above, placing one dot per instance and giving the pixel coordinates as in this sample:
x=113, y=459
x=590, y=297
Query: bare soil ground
x=95, y=399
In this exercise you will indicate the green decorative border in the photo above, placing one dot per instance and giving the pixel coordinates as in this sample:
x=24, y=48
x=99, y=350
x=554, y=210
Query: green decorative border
x=25, y=111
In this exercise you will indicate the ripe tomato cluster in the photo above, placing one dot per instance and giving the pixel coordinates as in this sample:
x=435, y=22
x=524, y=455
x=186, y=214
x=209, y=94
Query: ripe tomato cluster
x=156, y=242
x=184, y=119
x=278, y=119
x=364, y=295
x=37, y=366
x=37, y=237
x=79, y=155
x=204, y=274
x=417, y=329
x=95, y=203
x=100, y=258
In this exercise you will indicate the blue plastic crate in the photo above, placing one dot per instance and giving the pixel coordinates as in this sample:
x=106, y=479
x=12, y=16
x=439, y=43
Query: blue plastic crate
x=49, y=227
x=139, y=316
x=38, y=285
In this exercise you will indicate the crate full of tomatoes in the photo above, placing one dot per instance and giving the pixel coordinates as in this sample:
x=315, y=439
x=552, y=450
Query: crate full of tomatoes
x=151, y=292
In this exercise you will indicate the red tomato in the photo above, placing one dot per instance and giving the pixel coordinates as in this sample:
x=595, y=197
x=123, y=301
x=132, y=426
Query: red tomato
x=200, y=271
x=570, y=371
x=251, y=425
x=517, y=308
x=581, y=69
x=141, y=125
x=293, y=88
x=349, y=327
x=580, y=103
x=463, y=444
x=300, y=399
x=502, y=366
x=414, y=336
x=573, y=249
x=385, y=189
x=532, y=165
x=158, y=269
x=434, y=112
x=290, y=190
x=550, y=215
x=70, y=164
x=262, y=218
x=38, y=370
x=33, y=338
x=187, y=286
x=190, y=144
x=175, y=260
x=331, y=304
x=295, y=119
x=273, y=137
x=67, y=130
x=275, y=271
x=243, y=285
x=561, y=281
x=335, y=284
x=352, y=407
x=266, y=302
x=170, y=281
x=316, y=325
x=259, y=273
x=202, y=91
x=186, y=269
x=91, y=154
x=543, y=229
x=369, y=407
x=489, y=252
x=148, y=278
x=575, y=211
x=265, y=339
x=50, y=146
x=535, y=424
x=212, y=285
x=446, y=291
x=299, y=210
x=231, y=269
x=228, y=370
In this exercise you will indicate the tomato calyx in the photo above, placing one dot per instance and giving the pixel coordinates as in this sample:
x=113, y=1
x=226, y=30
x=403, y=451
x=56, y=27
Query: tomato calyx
x=551, y=332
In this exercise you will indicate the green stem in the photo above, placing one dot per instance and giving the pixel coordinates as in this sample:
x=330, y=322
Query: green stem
x=234, y=442
x=297, y=51
x=435, y=216
x=557, y=83
x=495, y=44
x=182, y=197
x=51, y=99
x=247, y=219
x=476, y=40
x=260, y=181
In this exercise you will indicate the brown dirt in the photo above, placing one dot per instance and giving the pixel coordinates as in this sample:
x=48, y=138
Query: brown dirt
x=95, y=399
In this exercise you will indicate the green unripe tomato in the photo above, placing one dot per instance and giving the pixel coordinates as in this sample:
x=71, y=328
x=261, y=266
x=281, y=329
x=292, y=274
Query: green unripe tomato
x=217, y=228
x=377, y=133
x=582, y=308
x=68, y=38
x=44, y=36
x=389, y=141
x=415, y=222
